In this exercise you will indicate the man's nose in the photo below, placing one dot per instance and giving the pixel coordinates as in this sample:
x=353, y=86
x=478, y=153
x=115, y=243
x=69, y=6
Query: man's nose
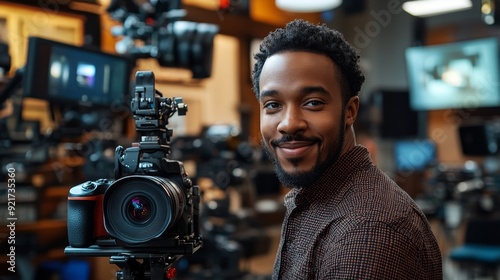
x=292, y=121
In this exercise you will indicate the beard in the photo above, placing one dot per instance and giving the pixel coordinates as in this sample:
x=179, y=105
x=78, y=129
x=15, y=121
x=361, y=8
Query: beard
x=302, y=179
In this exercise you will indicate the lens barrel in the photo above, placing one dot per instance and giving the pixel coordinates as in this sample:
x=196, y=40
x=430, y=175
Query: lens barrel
x=140, y=208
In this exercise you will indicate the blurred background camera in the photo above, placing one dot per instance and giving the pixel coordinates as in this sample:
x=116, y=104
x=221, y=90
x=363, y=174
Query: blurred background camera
x=163, y=35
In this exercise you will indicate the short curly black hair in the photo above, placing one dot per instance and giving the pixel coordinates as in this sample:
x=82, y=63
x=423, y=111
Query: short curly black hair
x=301, y=35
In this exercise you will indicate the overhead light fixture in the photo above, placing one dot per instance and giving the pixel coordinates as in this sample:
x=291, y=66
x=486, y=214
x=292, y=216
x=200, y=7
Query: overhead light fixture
x=307, y=6
x=425, y=8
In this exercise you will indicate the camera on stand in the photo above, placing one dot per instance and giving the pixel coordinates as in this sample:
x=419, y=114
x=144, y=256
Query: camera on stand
x=150, y=211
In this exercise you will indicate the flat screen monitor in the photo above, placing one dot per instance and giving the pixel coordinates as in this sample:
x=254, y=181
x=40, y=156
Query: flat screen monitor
x=460, y=75
x=414, y=155
x=74, y=76
x=479, y=139
x=398, y=120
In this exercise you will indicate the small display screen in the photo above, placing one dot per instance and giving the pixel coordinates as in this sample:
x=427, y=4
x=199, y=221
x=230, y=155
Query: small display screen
x=70, y=75
x=414, y=155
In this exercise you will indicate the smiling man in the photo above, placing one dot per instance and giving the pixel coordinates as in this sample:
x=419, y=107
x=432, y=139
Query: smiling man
x=345, y=218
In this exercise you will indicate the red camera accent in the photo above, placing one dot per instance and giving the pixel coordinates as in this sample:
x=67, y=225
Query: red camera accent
x=99, y=229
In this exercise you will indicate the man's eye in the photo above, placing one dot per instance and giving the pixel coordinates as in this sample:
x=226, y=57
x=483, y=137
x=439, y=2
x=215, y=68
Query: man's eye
x=314, y=103
x=271, y=105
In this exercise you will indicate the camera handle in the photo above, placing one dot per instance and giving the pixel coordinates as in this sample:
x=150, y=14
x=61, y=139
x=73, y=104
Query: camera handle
x=152, y=268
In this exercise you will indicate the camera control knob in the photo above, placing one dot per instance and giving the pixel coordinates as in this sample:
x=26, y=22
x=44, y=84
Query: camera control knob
x=87, y=186
x=102, y=181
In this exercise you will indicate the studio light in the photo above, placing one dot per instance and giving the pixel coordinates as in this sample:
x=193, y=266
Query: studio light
x=489, y=12
x=307, y=6
x=425, y=8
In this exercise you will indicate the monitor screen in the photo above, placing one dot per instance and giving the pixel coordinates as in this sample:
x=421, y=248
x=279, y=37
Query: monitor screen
x=454, y=76
x=414, y=155
x=70, y=75
x=479, y=139
x=397, y=119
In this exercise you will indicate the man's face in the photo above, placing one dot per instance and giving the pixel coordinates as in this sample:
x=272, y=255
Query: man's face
x=301, y=115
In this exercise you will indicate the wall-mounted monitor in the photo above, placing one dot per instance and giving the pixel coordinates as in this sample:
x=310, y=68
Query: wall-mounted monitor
x=459, y=75
x=69, y=75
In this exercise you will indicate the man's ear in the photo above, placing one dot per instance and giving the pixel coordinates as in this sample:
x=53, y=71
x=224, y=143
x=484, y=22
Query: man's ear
x=351, y=111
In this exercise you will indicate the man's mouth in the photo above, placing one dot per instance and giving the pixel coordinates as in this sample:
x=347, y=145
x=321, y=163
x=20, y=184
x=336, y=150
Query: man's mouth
x=294, y=149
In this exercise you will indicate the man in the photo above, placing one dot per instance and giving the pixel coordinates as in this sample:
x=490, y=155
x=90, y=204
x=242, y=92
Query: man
x=345, y=218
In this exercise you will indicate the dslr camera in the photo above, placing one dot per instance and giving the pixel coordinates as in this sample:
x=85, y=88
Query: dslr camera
x=150, y=210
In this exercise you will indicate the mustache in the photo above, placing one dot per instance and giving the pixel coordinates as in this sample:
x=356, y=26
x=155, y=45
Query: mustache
x=294, y=137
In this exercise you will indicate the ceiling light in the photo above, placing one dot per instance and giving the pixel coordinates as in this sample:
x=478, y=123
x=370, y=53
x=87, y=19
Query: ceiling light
x=424, y=8
x=307, y=6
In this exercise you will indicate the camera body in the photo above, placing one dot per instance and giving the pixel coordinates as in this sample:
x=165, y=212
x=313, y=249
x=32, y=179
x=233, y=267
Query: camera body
x=151, y=206
x=85, y=217
x=127, y=212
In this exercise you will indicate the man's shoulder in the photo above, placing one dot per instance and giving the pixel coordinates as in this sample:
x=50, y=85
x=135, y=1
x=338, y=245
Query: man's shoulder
x=372, y=193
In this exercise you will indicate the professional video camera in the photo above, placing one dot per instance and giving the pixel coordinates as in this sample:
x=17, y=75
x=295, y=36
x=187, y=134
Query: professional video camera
x=151, y=210
x=162, y=35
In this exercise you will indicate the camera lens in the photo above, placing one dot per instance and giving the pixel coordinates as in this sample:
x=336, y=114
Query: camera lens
x=140, y=208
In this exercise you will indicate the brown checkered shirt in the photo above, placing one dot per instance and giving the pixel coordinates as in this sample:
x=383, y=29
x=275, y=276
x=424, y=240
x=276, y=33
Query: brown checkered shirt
x=355, y=223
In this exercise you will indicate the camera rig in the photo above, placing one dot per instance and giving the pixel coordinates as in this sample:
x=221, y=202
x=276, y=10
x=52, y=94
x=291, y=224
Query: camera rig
x=151, y=113
x=141, y=166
